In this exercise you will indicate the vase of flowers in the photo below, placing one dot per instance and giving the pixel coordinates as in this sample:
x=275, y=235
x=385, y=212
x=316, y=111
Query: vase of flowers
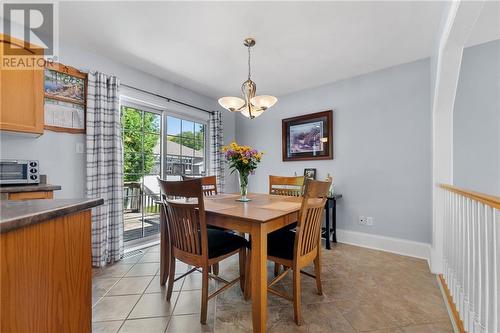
x=244, y=160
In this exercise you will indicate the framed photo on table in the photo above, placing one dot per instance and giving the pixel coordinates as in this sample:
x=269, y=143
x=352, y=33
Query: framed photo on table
x=65, y=90
x=308, y=137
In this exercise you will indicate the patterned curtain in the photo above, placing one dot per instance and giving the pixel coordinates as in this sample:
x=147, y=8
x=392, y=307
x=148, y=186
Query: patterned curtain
x=216, y=143
x=105, y=167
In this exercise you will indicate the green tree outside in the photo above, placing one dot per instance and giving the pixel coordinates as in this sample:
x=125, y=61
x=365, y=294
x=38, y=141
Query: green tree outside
x=141, y=133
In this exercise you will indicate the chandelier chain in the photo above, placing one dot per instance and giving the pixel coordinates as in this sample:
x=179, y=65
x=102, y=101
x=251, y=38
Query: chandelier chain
x=249, y=72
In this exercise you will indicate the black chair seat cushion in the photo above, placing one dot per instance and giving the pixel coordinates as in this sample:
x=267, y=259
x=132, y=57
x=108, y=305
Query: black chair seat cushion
x=280, y=243
x=222, y=242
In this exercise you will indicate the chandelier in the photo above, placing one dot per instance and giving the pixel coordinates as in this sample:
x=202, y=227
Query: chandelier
x=251, y=106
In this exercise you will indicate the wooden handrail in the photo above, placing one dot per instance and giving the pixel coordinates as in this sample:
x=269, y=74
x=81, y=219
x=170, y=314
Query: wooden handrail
x=490, y=200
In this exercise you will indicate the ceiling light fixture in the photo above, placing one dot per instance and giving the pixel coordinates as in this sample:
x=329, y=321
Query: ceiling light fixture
x=251, y=106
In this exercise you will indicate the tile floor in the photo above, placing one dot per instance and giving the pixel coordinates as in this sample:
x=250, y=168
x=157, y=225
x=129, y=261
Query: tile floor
x=364, y=291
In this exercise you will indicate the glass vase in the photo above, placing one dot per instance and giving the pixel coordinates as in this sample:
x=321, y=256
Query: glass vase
x=243, y=181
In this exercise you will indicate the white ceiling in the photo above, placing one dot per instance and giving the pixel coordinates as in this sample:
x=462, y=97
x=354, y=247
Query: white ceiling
x=198, y=45
x=487, y=26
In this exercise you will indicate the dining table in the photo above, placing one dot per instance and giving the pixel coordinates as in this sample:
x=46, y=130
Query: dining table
x=258, y=217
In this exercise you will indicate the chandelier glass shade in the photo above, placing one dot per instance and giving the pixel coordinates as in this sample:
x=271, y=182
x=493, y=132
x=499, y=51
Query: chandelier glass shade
x=251, y=106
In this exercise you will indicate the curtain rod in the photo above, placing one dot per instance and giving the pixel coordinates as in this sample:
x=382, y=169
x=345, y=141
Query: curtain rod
x=167, y=98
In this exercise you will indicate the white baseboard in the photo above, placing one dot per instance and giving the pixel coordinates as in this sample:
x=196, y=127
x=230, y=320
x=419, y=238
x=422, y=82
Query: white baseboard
x=383, y=243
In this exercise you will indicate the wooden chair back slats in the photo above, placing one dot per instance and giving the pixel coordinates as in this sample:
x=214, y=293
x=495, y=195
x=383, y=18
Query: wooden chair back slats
x=185, y=228
x=208, y=183
x=185, y=214
x=291, y=186
x=310, y=217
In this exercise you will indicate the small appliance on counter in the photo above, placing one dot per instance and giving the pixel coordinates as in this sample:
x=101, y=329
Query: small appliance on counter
x=19, y=172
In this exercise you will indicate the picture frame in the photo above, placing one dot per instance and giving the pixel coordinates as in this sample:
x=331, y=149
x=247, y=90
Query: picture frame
x=65, y=91
x=308, y=137
x=310, y=173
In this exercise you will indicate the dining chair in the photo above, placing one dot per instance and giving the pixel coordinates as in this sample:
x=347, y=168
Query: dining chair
x=295, y=249
x=209, y=188
x=208, y=183
x=291, y=186
x=195, y=244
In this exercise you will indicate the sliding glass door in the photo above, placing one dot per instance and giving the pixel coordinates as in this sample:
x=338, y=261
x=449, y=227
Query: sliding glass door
x=142, y=166
x=185, y=148
x=156, y=143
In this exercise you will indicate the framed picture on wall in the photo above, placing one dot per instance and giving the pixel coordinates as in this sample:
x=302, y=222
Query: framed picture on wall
x=310, y=173
x=308, y=137
x=65, y=98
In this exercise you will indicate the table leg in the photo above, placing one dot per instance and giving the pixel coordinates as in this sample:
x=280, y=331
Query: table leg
x=259, y=277
x=334, y=220
x=164, y=248
x=327, y=226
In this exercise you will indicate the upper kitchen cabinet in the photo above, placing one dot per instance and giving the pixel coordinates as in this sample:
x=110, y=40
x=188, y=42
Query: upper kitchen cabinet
x=21, y=89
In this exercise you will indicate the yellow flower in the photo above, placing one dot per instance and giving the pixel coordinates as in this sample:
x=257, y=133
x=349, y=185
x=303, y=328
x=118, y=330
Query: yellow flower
x=245, y=161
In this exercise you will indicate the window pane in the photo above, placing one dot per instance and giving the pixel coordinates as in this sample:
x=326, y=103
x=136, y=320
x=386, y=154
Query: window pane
x=173, y=145
x=156, y=166
x=173, y=126
x=199, y=129
x=187, y=128
x=131, y=119
x=151, y=149
x=152, y=122
x=132, y=166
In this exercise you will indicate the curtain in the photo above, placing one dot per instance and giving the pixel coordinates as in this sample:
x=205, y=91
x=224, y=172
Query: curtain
x=105, y=167
x=216, y=143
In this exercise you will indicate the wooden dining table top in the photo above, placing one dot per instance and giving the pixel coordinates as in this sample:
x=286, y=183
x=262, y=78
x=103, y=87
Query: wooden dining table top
x=261, y=208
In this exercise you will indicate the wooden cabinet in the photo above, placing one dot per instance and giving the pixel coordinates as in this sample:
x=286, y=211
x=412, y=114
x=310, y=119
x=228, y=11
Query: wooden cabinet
x=21, y=93
x=46, y=276
x=30, y=195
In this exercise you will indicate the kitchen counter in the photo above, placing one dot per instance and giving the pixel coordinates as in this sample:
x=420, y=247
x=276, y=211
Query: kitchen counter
x=19, y=214
x=28, y=188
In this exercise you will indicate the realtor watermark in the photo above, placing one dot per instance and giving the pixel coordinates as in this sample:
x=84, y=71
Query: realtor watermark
x=30, y=35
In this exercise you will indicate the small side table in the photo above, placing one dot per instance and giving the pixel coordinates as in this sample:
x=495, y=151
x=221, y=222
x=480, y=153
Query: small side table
x=331, y=202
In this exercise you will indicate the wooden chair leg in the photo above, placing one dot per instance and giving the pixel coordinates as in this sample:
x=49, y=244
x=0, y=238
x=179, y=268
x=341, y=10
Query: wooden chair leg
x=204, y=295
x=317, y=272
x=248, y=287
x=242, y=257
x=296, y=296
x=276, y=269
x=171, y=277
x=215, y=269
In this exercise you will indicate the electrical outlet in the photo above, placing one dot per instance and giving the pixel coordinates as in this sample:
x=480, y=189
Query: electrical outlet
x=369, y=220
x=362, y=220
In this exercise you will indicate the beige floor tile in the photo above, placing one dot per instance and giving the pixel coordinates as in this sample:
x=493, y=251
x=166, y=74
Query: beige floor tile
x=114, y=307
x=155, y=287
x=155, y=248
x=106, y=326
x=441, y=327
x=130, y=285
x=189, y=302
x=115, y=270
x=366, y=315
x=144, y=269
x=100, y=286
x=154, y=305
x=150, y=257
x=363, y=289
x=146, y=325
x=189, y=324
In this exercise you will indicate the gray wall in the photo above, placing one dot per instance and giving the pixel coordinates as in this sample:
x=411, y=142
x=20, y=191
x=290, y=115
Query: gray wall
x=382, y=148
x=476, y=120
x=57, y=151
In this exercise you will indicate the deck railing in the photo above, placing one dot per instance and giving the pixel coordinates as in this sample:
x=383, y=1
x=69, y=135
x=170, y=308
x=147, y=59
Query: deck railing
x=471, y=258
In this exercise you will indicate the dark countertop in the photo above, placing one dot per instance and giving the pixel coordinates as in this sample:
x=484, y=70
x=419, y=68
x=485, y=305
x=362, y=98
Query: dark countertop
x=19, y=214
x=28, y=188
